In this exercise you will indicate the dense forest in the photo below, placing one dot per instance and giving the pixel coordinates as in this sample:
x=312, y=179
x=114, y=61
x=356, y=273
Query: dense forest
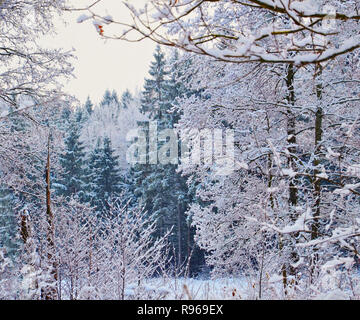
x=237, y=159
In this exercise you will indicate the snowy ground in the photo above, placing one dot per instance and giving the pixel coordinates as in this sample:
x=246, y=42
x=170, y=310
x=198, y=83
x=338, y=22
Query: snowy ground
x=197, y=289
x=221, y=289
x=237, y=289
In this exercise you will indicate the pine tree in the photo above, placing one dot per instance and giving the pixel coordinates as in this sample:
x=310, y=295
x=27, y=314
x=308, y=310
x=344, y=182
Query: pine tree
x=89, y=106
x=159, y=187
x=71, y=181
x=126, y=98
x=154, y=100
x=115, y=98
x=80, y=116
x=93, y=165
x=107, y=98
x=106, y=180
x=65, y=118
x=8, y=222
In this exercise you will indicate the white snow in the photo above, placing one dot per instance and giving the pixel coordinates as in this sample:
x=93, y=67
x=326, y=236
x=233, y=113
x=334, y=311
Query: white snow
x=83, y=17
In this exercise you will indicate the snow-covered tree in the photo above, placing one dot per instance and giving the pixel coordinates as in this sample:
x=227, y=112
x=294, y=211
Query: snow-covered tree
x=114, y=122
x=130, y=254
x=89, y=106
x=126, y=98
x=281, y=195
x=106, y=180
x=71, y=180
x=8, y=223
x=158, y=186
x=270, y=31
x=27, y=68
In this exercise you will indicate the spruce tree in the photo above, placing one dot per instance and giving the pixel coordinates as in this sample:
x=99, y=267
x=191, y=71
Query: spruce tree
x=93, y=165
x=71, y=181
x=89, y=106
x=115, y=98
x=106, y=180
x=159, y=187
x=65, y=118
x=154, y=100
x=107, y=98
x=126, y=98
x=8, y=222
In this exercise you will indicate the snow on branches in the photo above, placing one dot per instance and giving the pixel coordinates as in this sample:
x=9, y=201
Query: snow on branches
x=281, y=31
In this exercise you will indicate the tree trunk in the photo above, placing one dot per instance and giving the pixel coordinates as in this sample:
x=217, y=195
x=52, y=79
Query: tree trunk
x=317, y=155
x=317, y=161
x=291, y=139
x=50, y=293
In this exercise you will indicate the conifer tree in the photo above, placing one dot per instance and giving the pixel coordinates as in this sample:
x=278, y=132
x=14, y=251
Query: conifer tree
x=115, y=98
x=8, y=222
x=65, y=118
x=126, y=98
x=155, y=95
x=109, y=97
x=72, y=178
x=160, y=188
x=89, y=106
x=106, y=180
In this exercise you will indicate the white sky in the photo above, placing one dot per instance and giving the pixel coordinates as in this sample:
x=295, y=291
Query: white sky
x=101, y=64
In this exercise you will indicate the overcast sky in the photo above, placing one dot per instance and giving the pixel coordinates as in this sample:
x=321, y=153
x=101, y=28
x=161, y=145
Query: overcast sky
x=101, y=64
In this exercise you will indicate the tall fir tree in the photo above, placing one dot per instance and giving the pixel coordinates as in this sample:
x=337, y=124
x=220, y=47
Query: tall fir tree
x=89, y=107
x=106, y=180
x=155, y=95
x=159, y=187
x=115, y=98
x=72, y=178
x=8, y=222
x=109, y=98
x=126, y=98
x=65, y=118
x=106, y=100
x=93, y=165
